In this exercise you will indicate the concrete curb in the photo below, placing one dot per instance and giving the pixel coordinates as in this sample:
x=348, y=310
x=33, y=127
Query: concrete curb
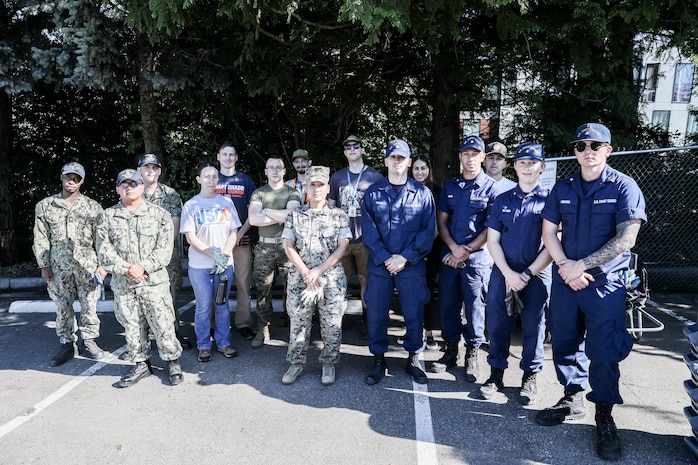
x=14, y=284
x=107, y=306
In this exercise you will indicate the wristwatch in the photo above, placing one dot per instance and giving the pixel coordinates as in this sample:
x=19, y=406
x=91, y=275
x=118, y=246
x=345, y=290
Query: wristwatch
x=528, y=272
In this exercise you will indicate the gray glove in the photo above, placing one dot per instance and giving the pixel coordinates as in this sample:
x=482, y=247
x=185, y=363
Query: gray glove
x=513, y=303
x=220, y=263
x=309, y=297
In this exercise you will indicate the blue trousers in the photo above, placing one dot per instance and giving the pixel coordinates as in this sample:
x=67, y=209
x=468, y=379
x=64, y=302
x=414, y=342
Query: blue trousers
x=204, y=286
x=463, y=286
x=590, y=338
x=413, y=294
x=500, y=326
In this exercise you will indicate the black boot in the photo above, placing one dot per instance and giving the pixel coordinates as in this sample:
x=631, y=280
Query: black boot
x=529, y=390
x=175, y=372
x=493, y=384
x=570, y=407
x=472, y=367
x=378, y=370
x=65, y=353
x=414, y=369
x=448, y=360
x=608, y=445
x=140, y=371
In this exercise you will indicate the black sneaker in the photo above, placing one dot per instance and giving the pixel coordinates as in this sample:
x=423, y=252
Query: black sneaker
x=247, y=333
x=570, y=407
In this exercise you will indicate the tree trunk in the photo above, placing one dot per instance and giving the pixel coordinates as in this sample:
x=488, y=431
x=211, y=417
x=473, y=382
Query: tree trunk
x=8, y=242
x=445, y=128
x=152, y=131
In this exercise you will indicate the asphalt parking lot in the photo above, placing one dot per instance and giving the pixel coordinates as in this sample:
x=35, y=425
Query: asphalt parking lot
x=237, y=410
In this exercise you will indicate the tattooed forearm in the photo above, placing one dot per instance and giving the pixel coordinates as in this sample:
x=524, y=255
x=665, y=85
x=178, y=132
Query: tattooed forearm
x=626, y=233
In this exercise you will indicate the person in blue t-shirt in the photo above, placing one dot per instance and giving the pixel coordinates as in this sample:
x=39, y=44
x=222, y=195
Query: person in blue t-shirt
x=238, y=187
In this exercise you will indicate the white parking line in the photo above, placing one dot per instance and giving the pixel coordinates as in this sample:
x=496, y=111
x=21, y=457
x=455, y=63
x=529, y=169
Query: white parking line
x=33, y=411
x=424, y=430
x=671, y=313
x=36, y=409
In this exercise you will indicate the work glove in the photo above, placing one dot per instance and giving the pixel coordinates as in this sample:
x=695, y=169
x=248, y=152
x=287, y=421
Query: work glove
x=220, y=263
x=309, y=297
x=513, y=303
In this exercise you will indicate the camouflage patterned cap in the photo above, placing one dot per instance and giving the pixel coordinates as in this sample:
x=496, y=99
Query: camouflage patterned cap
x=318, y=173
x=149, y=158
x=74, y=168
x=129, y=175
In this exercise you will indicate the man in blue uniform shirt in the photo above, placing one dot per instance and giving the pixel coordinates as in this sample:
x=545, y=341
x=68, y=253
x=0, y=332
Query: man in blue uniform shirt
x=521, y=272
x=398, y=224
x=600, y=211
x=466, y=264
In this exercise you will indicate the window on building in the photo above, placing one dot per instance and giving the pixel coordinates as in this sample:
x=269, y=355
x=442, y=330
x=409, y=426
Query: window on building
x=651, y=76
x=683, y=83
x=692, y=127
x=661, y=119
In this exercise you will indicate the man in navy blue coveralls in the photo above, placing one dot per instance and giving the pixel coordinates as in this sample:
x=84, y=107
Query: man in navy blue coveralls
x=521, y=266
x=398, y=224
x=466, y=264
x=599, y=211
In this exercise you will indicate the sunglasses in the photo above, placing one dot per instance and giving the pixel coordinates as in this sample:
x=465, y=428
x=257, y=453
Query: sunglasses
x=582, y=146
x=352, y=146
x=131, y=184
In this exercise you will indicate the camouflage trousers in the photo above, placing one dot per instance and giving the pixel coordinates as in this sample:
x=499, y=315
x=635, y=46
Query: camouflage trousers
x=66, y=287
x=330, y=311
x=174, y=271
x=139, y=307
x=270, y=261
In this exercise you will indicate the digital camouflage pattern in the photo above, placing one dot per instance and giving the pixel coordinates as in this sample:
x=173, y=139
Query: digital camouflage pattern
x=168, y=198
x=316, y=234
x=64, y=240
x=144, y=237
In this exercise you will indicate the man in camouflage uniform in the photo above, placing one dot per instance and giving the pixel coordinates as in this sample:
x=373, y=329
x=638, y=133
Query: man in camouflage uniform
x=150, y=168
x=64, y=246
x=315, y=239
x=134, y=243
x=269, y=207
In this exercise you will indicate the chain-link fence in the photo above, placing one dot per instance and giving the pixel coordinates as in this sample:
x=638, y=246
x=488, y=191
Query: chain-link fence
x=668, y=242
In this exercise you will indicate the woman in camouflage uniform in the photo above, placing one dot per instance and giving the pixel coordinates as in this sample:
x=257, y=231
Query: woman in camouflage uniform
x=315, y=238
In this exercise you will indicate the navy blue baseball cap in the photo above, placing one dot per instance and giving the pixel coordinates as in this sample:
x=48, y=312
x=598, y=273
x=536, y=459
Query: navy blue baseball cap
x=149, y=158
x=594, y=132
x=529, y=151
x=472, y=142
x=129, y=175
x=398, y=147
